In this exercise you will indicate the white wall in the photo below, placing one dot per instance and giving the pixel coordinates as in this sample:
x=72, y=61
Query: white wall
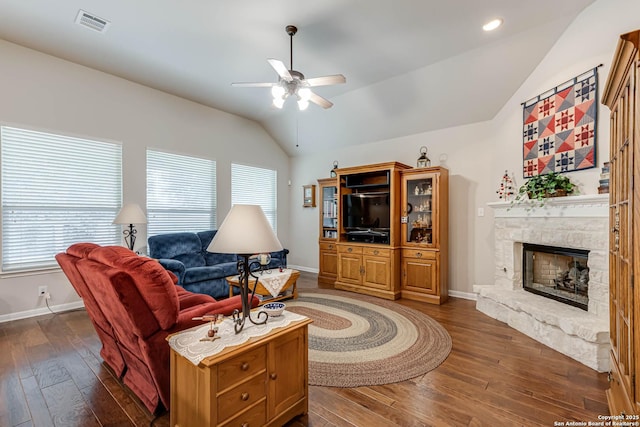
x=45, y=93
x=478, y=154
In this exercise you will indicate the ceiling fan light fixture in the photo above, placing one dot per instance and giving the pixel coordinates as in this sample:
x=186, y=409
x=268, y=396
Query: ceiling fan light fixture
x=292, y=82
x=304, y=93
x=278, y=102
x=277, y=91
x=302, y=104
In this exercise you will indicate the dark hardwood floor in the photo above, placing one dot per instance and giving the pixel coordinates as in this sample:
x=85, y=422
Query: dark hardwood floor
x=51, y=374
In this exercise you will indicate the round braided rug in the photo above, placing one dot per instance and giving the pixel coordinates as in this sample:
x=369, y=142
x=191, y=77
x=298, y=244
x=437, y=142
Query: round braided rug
x=357, y=340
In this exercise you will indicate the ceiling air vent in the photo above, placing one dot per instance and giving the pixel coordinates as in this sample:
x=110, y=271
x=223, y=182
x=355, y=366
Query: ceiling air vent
x=91, y=21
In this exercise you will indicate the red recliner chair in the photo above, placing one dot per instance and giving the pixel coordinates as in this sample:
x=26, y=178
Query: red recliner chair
x=140, y=300
x=110, y=351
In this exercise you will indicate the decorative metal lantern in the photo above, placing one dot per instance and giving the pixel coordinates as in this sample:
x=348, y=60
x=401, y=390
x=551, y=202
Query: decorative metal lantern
x=423, y=160
x=333, y=171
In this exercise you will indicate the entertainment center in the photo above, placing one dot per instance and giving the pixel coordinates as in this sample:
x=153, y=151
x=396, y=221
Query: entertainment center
x=383, y=231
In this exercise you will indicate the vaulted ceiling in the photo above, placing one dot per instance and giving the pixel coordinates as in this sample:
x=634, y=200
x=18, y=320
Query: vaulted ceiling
x=411, y=65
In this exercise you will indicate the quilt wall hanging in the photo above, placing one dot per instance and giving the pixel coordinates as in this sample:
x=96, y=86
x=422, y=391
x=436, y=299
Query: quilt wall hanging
x=559, y=127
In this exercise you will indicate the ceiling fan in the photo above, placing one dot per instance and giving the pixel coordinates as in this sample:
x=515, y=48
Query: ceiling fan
x=292, y=82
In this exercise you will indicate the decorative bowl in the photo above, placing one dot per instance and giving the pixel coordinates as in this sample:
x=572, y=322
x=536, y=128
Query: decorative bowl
x=274, y=309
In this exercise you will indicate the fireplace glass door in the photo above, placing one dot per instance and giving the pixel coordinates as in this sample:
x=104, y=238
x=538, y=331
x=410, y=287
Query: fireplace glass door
x=558, y=273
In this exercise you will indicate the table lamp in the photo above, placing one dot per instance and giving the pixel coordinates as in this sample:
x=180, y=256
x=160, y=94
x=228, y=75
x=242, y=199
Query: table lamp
x=130, y=214
x=245, y=231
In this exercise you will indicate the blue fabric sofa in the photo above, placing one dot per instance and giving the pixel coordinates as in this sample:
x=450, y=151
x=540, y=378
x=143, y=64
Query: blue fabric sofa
x=199, y=271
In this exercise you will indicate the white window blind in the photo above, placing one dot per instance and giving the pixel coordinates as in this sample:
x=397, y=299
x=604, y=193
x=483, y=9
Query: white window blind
x=255, y=186
x=181, y=193
x=56, y=190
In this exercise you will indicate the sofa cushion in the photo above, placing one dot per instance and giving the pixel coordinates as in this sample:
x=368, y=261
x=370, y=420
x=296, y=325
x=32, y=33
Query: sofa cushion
x=215, y=258
x=201, y=274
x=228, y=268
x=153, y=281
x=174, y=244
x=191, y=260
x=205, y=239
x=212, y=258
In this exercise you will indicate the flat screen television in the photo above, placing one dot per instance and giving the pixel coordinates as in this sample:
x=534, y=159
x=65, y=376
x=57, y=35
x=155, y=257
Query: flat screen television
x=366, y=211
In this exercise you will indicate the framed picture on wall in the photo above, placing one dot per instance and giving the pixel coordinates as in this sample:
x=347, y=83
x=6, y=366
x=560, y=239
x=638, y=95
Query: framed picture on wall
x=309, y=196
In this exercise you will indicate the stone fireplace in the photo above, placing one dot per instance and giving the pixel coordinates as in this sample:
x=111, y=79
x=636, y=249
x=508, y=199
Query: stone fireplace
x=574, y=270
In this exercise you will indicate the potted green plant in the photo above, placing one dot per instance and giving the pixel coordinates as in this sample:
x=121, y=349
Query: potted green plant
x=540, y=187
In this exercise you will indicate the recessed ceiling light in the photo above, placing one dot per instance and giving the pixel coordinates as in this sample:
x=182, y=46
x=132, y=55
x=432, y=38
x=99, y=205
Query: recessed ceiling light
x=492, y=25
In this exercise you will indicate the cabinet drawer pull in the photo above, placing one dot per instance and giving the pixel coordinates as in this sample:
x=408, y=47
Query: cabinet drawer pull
x=330, y=246
x=418, y=254
x=350, y=250
x=244, y=366
x=244, y=396
x=376, y=252
x=273, y=376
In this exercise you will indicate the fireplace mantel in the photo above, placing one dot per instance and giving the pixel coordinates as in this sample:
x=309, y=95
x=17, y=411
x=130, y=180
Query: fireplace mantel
x=584, y=206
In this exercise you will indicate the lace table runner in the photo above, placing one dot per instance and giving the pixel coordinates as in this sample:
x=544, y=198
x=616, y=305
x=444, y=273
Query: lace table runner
x=188, y=344
x=274, y=282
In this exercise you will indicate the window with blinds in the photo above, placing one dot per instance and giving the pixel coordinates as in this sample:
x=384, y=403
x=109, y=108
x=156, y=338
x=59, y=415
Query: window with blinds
x=255, y=186
x=181, y=193
x=56, y=191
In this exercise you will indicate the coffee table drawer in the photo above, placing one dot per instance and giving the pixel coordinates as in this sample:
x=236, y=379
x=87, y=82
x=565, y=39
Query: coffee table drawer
x=241, y=367
x=254, y=417
x=240, y=398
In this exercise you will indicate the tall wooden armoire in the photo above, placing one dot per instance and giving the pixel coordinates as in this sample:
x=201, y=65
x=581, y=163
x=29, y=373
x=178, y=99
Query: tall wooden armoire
x=622, y=96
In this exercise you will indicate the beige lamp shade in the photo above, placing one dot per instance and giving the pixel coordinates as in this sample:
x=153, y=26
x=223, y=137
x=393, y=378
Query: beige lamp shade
x=245, y=230
x=130, y=214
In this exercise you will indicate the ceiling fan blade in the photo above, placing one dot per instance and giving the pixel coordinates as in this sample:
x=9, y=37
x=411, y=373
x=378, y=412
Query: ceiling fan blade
x=317, y=99
x=326, y=80
x=253, y=84
x=280, y=68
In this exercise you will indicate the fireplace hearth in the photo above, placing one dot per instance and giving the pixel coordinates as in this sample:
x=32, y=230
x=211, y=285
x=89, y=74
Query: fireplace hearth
x=558, y=273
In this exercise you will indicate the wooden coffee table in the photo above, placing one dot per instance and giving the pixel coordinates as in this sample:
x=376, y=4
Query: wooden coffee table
x=288, y=290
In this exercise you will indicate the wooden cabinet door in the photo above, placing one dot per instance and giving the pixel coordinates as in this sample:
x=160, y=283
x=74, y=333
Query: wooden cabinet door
x=420, y=208
x=377, y=272
x=350, y=268
x=621, y=96
x=620, y=250
x=287, y=374
x=328, y=263
x=424, y=260
x=419, y=275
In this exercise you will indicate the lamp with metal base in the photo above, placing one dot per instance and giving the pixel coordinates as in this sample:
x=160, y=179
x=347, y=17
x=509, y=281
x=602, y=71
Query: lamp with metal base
x=246, y=232
x=130, y=214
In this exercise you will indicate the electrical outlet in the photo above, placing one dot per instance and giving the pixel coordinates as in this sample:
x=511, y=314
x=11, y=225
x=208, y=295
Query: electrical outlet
x=43, y=290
